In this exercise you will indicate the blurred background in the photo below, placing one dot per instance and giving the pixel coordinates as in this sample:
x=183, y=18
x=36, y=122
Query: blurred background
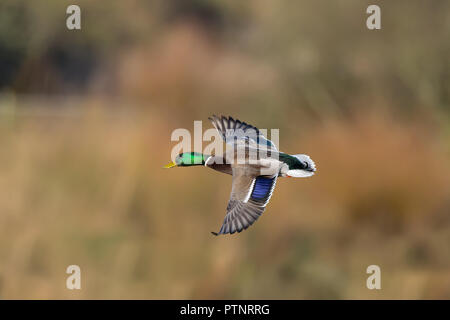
x=86, y=118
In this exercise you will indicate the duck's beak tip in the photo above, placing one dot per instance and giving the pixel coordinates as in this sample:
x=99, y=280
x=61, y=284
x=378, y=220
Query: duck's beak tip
x=170, y=165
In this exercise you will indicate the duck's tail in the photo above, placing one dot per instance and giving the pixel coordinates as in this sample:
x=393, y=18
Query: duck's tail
x=305, y=158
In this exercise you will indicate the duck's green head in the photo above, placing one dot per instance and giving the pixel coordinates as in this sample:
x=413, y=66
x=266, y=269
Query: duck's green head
x=188, y=159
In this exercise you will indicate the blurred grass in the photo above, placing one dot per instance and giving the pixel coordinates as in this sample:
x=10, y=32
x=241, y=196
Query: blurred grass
x=85, y=125
x=89, y=190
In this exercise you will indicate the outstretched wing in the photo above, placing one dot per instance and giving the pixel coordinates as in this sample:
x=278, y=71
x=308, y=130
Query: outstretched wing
x=235, y=131
x=248, y=200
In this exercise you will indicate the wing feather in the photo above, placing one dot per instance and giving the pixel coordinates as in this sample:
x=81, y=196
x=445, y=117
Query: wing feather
x=235, y=131
x=244, y=210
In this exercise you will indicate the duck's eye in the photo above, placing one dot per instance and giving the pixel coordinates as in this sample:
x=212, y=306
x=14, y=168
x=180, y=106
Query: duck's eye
x=306, y=165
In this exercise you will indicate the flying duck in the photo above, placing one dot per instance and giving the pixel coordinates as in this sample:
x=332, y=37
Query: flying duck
x=255, y=165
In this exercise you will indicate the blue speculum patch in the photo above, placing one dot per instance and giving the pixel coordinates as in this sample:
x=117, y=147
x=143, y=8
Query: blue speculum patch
x=262, y=187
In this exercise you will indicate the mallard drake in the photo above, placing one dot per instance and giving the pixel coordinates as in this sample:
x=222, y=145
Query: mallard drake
x=255, y=165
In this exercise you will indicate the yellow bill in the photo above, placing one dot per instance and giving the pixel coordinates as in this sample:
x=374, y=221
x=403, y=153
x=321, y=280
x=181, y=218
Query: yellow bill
x=170, y=165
